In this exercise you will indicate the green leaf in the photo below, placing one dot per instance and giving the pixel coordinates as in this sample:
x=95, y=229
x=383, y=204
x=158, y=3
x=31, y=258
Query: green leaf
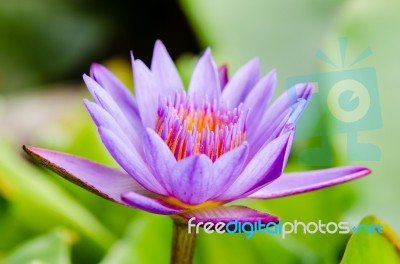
x=147, y=240
x=53, y=247
x=373, y=248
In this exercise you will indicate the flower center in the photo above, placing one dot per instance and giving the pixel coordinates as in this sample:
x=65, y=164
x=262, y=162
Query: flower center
x=189, y=129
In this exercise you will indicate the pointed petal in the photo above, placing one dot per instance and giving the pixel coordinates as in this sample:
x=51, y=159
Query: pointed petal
x=300, y=182
x=118, y=91
x=103, y=99
x=147, y=93
x=268, y=134
x=287, y=99
x=130, y=161
x=164, y=70
x=102, y=180
x=241, y=83
x=288, y=127
x=205, y=81
x=149, y=204
x=159, y=157
x=102, y=118
x=258, y=99
x=228, y=214
x=280, y=164
x=228, y=167
x=265, y=167
x=286, y=109
x=191, y=179
x=223, y=75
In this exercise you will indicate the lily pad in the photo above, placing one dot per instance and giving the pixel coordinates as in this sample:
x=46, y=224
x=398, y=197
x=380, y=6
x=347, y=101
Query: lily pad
x=368, y=245
x=53, y=247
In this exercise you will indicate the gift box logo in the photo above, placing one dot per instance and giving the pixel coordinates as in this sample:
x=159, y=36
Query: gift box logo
x=345, y=100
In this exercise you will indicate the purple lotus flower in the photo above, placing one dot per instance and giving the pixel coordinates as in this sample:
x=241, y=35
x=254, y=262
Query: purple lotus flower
x=189, y=154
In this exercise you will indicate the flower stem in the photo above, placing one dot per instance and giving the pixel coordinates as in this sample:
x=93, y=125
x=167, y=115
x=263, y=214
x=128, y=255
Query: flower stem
x=183, y=243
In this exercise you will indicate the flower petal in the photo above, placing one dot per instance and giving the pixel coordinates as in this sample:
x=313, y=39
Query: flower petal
x=265, y=167
x=103, y=99
x=205, y=81
x=118, y=91
x=287, y=99
x=164, y=70
x=300, y=182
x=159, y=157
x=192, y=179
x=269, y=133
x=228, y=167
x=279, y=165
x=258, y=99
x=286, y=109
x=130, y=161
x=102, y=180
x=149, y=204
x=103, y=119
x=288, y=127
x=278, y=126
x=241, y=83
x=223, y=75
x=227, y=214
x=147, y=93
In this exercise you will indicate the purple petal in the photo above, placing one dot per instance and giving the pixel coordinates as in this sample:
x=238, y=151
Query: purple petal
x=287, y=128
x=227, y=214
x=258, y=99
x=241, y=83
x=286, y=109
x=192, y=179
x=280, y=163
x=228, y=167
x=288, y=99
x=300, y=182
x=205, y=81
x=164, y=70
x=149, y=204
x=265, y=166
x=223, y=75
x=159, y=157
x=269, y=133
x=103, y=119
x=99, y=179
x=130, y=161
x=103, y=99
x=116, y=89
x=147, y=93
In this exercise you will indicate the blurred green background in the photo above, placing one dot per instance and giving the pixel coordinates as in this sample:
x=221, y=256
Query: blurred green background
x=46, y=46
